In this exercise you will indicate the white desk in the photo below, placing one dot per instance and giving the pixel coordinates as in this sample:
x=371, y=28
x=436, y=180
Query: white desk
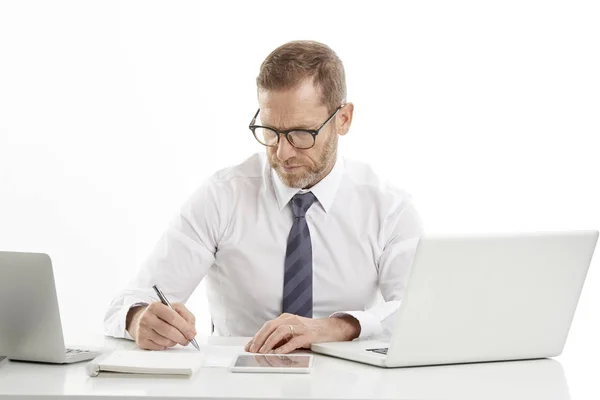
x=330, y=379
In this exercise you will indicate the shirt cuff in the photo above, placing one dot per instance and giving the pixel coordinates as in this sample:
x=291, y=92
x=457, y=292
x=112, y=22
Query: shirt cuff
x=121, y=319
x=369, y=324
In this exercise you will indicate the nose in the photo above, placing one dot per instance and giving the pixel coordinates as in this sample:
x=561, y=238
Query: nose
x=284, y=149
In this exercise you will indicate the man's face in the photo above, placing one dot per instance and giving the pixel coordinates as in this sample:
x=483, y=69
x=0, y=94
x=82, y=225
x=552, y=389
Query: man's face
x=299, y=108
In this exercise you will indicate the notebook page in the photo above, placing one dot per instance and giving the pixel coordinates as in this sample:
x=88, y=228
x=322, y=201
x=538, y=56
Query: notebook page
x=140, y=361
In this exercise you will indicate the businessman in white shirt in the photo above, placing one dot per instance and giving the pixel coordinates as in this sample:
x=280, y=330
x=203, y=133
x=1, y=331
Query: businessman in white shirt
x=295, y=244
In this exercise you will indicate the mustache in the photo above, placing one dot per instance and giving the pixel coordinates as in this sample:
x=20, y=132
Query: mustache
x=287, y=163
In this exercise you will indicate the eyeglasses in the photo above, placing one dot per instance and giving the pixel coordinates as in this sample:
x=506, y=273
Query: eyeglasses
x=299, y=138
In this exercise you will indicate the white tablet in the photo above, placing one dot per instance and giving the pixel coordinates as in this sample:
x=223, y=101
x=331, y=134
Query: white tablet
x=278, y=363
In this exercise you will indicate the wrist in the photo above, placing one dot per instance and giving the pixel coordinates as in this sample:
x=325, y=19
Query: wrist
x=347, y=326
x=131, y=321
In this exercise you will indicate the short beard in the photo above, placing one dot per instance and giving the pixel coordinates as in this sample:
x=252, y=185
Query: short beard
x=313, y=173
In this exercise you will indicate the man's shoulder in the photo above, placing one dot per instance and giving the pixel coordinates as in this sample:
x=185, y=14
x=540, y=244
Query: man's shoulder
x=232, y=182
x=365, y=179
x=251, y=168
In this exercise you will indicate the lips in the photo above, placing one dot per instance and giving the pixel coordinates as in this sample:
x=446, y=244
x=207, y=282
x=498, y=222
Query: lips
x=291, y=167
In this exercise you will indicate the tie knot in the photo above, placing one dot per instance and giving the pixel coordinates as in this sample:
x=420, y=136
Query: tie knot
x=301, y=202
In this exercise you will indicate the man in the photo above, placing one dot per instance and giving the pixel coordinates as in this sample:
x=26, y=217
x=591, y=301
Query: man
x=295, y=244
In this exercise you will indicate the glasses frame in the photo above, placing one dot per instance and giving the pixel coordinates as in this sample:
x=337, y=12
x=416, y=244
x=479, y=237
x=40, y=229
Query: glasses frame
x=313, y=132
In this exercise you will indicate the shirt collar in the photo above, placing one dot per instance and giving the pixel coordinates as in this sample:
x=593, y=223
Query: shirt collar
x=324, y=191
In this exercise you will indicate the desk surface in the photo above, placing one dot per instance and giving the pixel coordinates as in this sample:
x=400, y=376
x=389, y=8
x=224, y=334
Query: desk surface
x=331, y=378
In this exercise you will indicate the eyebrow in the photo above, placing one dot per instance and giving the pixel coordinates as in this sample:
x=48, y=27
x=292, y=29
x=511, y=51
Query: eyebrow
x=305, y=125
x=301, y=125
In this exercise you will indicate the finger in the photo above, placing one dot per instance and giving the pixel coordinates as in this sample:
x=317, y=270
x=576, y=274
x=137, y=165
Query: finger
x=267, y=329
x=248, y=346
x=148, y=344
x=173, y=318
x=168, y=331
x=160, y=339
x=149, y=322
x=150, y=340
x=262, y=335
x=296, y=343
x=281, y=333
x=185, y=313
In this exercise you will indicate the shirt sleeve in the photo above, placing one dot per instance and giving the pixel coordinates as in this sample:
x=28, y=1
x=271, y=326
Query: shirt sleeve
x=400, y=234
x=179, y=261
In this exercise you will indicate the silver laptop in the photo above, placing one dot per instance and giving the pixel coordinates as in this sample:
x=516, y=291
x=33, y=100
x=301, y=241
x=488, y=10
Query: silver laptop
x=30, y=326
x=482, y=298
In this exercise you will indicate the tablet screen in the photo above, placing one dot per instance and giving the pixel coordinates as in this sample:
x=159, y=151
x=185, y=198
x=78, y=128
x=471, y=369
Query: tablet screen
x=273, y=360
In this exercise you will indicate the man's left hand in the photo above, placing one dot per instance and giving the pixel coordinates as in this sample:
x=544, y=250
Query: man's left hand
x=290, y=332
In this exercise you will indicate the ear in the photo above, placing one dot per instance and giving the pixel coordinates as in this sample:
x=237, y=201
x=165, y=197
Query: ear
x=343, y=119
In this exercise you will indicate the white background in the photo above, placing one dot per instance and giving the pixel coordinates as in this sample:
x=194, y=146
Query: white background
x=111, y=114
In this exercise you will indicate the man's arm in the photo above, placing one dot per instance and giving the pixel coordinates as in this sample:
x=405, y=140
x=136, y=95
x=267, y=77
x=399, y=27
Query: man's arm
x=401, y=232
x=178, y=263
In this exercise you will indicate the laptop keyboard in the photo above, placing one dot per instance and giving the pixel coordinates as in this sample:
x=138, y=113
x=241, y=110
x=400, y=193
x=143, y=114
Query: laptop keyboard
x=379, y=351
x=73, y=352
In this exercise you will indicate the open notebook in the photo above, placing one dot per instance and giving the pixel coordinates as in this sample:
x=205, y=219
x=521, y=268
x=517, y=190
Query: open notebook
x=147, y=362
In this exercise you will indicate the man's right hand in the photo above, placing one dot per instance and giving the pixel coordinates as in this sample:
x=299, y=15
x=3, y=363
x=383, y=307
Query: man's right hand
x=156, y=326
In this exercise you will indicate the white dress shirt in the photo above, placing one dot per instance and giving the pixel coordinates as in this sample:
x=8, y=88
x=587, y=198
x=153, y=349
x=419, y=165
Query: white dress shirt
x=233, y=232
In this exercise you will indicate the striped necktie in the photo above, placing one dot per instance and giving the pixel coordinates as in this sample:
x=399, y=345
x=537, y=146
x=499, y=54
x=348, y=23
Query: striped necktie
x=298, y=277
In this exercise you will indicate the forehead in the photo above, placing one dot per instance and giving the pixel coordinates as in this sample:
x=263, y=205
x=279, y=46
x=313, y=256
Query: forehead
x=298, y=106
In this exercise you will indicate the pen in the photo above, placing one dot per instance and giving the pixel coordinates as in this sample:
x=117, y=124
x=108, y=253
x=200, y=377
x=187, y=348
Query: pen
x=164, y=300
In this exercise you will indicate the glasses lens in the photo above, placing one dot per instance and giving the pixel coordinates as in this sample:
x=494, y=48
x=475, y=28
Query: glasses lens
x=266, y=136
x=301, y=139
